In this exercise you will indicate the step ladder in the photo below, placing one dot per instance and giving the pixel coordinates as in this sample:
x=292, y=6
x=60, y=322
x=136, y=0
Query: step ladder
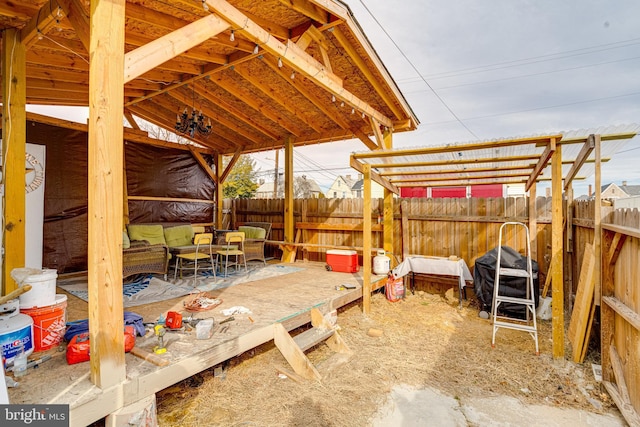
x=293, y=348
x=529, y=323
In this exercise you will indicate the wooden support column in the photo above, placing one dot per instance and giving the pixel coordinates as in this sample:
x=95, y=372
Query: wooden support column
x=533, y=220
x=288, y=253
x=14, y=90
x=219, y=195
x=557, y=297
x=568, y=249
x=597, y=221
x=105, y=155
x=366, y=241
x=387, y=215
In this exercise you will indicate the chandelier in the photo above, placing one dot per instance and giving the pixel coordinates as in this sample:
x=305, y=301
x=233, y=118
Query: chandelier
x=193, y=123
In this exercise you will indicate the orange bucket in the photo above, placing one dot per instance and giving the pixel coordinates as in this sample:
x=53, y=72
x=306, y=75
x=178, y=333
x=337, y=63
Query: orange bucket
x=49, y=323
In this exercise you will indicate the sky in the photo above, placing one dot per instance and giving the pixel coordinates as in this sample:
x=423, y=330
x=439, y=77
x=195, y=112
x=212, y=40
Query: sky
x=500, y=69
x=477, y=70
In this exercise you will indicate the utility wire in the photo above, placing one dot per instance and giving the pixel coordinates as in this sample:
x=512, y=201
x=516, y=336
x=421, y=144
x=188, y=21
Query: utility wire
x=417, y=72
x=521, y=62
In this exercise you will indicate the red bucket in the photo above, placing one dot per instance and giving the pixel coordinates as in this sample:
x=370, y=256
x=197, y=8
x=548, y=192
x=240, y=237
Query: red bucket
x=49, y=323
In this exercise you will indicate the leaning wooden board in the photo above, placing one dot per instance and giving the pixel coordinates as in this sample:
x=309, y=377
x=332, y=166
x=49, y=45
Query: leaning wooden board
x=581, y=316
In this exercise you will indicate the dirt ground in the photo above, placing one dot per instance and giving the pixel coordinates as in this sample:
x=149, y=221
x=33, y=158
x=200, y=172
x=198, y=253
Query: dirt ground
x=426, y=341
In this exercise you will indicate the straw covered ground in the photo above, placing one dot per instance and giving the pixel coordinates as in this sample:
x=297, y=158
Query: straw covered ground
x=426, y=341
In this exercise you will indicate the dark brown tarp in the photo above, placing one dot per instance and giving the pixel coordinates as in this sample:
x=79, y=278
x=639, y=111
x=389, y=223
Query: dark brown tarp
x=151, y=172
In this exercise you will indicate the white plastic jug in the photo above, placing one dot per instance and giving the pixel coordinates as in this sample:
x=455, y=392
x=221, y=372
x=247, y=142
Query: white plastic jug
x=381, y=263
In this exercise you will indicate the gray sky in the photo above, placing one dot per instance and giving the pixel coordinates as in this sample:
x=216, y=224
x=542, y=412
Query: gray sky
x=506, y=68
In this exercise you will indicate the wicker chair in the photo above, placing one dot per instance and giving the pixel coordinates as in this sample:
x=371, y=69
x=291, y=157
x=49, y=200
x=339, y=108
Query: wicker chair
x=254, y=248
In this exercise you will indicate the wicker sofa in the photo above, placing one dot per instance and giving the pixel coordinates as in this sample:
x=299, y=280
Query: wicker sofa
x=146, y=246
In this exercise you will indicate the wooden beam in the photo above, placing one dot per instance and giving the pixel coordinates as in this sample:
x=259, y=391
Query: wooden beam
x=461, y=148
x=377, y=178
x=105, y=201
x=219, y=194
x=627, y=231
x=387, y=218
x=289, y=220
x=597, y=220
x=377, y=132
x=78, y=19
x=557, y=295
x=533, y=221
x=296, y=58
x=203, y=164
x=356, y=58
x=13, y=155
x=623, y=311
x=583, y=155
x=542, y=163
x=366, y=242
x=149, y=56
x=41, y=24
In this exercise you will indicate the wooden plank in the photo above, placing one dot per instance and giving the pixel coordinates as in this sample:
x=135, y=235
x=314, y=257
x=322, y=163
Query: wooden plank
x=105, y=201
x=366, y=242
x=582, y=307
x=312, y=336
x=13, y=156
x=618, y=373
x=626, y=409
x=557, y=304
x=623, y=310
x=585, y=344
x=597, y=220
x=294, y=355
x=336, y=227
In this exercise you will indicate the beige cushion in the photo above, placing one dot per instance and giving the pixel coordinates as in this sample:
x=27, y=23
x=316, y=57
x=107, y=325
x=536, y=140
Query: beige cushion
x=253, y=232
x=152, y=233
x=181, y=235
x=126, y=243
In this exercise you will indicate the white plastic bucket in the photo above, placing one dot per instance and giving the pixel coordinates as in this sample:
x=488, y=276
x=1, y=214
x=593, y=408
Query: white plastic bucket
x=16, y=331
x=43, y=289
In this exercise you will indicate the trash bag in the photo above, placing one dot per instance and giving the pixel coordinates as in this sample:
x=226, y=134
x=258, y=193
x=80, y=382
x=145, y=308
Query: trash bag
x=484, y=274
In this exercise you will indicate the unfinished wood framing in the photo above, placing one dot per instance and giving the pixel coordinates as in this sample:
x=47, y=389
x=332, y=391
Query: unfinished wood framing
x=13, y=155
x=366, y=253
x=105, y=200
x=557, y=280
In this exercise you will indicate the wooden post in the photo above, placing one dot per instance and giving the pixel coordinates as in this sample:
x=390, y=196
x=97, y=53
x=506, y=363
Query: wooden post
x=568, y=249
x=366, y=241
x=219, y=194
x=289, y=222
x=557, y=296
x=597, y=221
x=14, y=128
x=275, y=177
x=105, y=154
x=533, y=221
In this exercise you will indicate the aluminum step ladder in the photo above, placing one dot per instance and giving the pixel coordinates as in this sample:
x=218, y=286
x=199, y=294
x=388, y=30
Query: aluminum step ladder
x=529, y=323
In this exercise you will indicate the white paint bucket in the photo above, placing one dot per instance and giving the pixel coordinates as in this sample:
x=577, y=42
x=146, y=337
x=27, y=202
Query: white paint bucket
x=43, y=289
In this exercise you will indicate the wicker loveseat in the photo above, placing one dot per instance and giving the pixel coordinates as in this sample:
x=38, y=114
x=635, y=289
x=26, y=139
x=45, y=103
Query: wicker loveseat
x=146, y=246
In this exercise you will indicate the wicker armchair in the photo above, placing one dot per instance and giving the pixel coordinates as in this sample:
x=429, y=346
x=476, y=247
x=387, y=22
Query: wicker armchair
x=254, y=247
x=142, y=257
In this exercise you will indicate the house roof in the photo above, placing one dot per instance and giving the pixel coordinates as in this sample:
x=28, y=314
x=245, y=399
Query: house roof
x=264, y=71
x=630, y=190
x=522, y=160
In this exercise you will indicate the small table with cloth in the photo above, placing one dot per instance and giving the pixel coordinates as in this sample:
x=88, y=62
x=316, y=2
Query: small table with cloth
x=442, y=266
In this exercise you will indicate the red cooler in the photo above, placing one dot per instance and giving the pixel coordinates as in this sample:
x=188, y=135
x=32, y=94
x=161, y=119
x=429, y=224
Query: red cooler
x=342, y=260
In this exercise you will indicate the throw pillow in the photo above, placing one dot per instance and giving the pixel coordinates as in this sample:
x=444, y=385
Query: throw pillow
x=126, y=243
x=152, y=233
x=180, y=235
x=253, y=232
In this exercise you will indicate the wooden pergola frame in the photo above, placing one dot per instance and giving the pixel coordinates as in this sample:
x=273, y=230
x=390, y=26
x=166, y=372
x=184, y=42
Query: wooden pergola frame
x=482, y=163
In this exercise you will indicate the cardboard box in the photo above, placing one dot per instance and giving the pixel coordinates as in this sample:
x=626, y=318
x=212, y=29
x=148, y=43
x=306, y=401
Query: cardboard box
x=342, y=260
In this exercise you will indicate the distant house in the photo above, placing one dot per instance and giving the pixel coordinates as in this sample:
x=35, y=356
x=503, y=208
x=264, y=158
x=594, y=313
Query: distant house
x=303, y=188
x=613, y=191
x=341, y=188
x=377, y=190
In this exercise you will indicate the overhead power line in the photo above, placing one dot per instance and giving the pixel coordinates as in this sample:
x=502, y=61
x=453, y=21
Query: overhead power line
x=442, y=101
